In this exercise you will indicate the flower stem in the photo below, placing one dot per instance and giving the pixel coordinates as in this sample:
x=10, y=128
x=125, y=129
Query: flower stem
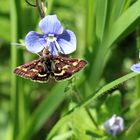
x=40, y=9
x=17, y=94
x=138, y=77
x=89, y=24
x=50, y=5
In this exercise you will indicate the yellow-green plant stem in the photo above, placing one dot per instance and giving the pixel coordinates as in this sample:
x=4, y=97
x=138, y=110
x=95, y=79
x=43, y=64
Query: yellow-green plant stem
x=138, y=77
x=89, y=23
x=17, y=97
x=50, y=5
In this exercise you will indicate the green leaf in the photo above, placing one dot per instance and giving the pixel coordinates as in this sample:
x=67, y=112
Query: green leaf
x=133, y=130
x=118, y=28
x=101, y=11
x=63, y=121
x=115, y=9
x=113, y=103
x=81, y=124
x=90, y=23
x=89, y=100
x=44, y=111
x=109, y=86
x=93, y=134
x=64, y=136
x=123, y=23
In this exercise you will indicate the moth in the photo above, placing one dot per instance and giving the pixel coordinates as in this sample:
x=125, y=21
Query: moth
x=50, y=67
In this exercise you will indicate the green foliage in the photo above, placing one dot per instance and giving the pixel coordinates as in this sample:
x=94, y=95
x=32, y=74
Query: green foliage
x=75, y=109
x=44, y=111
x=99, y=94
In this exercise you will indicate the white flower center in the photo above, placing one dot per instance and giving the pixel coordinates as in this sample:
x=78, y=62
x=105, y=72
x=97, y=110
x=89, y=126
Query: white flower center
x=51, y=38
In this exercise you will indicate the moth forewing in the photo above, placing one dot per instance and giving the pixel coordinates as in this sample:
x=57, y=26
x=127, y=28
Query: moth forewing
x=66, y=67
x=50, y=67
x=34, y=70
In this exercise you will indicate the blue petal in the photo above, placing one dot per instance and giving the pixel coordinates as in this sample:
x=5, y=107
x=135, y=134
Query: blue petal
x=115, y=130
x=51, y=25
x=114, y=125
x=67, y=42
x=35, y=42
x=52, y=48
x=136, y=68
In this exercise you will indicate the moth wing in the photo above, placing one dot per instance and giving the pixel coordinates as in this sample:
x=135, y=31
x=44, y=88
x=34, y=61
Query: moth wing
x=33, y=70
x=66, y=67
x=27, y=70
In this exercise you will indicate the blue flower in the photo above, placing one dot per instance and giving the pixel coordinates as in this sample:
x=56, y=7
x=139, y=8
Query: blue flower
x=136, y=68
x=54, y=38
x=114, y=125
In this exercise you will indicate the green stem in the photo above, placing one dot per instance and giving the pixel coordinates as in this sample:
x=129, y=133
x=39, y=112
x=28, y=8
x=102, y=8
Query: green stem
x=16, y=59
x=40, y=10
x=14, y=93
x=138, y=77
x=89, y=23
x=50, y=5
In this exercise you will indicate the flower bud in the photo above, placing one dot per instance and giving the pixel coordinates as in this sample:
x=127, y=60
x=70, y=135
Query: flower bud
x=114, y=125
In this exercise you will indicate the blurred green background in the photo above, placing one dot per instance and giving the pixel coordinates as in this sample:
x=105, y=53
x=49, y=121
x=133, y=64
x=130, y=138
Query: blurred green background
x=107, y=33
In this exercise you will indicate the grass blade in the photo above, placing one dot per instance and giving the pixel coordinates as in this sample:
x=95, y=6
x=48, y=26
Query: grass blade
x=122, y=24
x=101, y=11
x=44, y=111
